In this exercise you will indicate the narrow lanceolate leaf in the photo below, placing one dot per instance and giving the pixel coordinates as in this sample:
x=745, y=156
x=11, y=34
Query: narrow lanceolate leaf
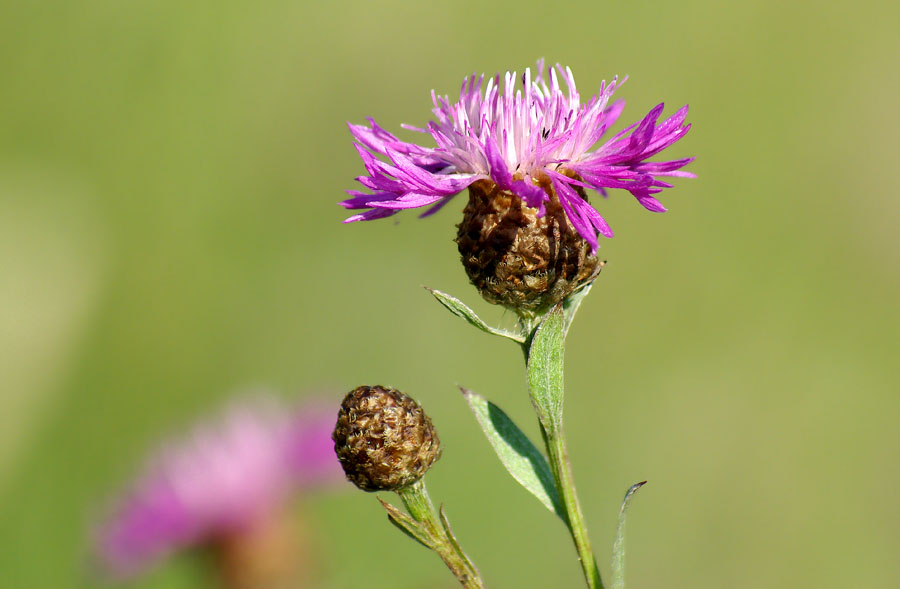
x=545, y=370
x=618, y=557
x=458, y=308
x=408, y=525
x=520, y=457
x=453, y=541
x=571, y=303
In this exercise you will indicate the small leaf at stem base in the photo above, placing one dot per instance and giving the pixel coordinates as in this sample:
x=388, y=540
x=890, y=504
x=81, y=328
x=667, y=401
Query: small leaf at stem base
x=458, y=308
x=408, y=525
x=454, y=542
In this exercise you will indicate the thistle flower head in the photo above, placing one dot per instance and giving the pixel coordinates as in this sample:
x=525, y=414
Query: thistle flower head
x=224, y=477
x=383, y=439
x=520, y=259
x=533, y=140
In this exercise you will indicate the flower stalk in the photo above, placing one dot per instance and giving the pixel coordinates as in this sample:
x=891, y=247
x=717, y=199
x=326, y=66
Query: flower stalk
x=545, y=354
x=565, y=485
x=418, y=503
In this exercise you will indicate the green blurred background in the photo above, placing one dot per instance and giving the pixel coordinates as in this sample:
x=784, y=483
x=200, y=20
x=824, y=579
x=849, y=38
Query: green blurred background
x=169, y=236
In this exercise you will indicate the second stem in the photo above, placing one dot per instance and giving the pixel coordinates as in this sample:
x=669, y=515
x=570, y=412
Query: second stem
x=418, y=503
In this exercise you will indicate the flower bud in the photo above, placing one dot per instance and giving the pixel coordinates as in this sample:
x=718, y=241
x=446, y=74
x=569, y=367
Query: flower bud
x=383, y=439
x=518, y=259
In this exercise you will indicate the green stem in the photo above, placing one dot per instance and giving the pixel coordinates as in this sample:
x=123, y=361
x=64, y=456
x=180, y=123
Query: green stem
x=418, y=503
x=544, y=351
x=565, y=485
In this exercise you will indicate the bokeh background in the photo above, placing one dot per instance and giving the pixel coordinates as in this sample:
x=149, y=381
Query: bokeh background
x=169, y=236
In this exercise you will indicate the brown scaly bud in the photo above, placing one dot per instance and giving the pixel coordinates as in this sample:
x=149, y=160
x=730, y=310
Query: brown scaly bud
x=383, y=439
x=516, y=258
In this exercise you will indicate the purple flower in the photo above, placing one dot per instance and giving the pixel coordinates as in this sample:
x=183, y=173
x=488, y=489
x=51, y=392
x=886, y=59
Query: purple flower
x=225, y=476
x=310, y=451
x=528, y=137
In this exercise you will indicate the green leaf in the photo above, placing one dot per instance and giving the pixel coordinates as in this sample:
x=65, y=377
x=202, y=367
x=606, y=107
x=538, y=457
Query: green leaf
x=521, y=458
x=453, y=541
x=545, y=370
x=618, y=557
x=408, y=525
x=571, y=304
x=458, y=308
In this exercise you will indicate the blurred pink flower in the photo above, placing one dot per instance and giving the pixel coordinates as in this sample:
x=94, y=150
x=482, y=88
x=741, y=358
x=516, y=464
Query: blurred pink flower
x=227, y=474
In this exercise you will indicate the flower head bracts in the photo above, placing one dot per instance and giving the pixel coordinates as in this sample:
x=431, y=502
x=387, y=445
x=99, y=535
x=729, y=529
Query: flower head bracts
x=526, y=140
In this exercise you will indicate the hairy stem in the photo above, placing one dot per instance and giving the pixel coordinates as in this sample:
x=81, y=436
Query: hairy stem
x=565, y=484
x=544, y=351
x=418, y=503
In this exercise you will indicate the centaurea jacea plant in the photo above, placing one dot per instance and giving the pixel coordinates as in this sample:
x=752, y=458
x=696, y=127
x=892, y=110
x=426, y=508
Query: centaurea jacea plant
x=529, y=235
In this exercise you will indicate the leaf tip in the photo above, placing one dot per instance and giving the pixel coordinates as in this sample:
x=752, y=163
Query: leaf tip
x=630, y=493
x=387, y=506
